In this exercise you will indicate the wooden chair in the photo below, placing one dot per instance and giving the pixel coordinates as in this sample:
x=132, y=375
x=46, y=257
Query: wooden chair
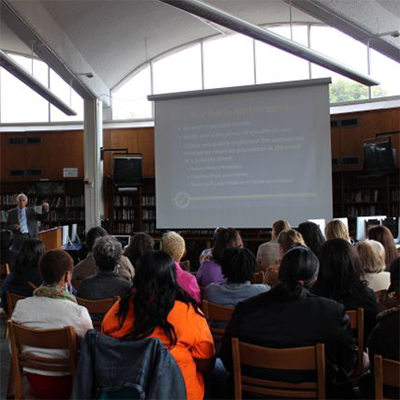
x=387, y=373
x=216, y=313
x=97, y=309
x=63, y=338
x=311, y=358
x=258, y=277
x=4, y=272
x=356, y=318
x=12, y=299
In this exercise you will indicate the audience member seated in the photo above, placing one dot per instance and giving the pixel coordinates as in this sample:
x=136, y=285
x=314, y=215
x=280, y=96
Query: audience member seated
x=336, y=229
x=389, y=299
x=24, y=276
x=269, y=253
x=7, y=256
x=87, y=267
x=290, y=316
x=341, y=278
x=383, y=235
x=106, y=283
x=139, y=245
x=384, y=339
x=210, y=270
x=372, y=257
x=206, y=254
x=238, y=267
x=160, y=308
x=52, y=306
x=312, y=235
x=286, y=240
x=174, y=245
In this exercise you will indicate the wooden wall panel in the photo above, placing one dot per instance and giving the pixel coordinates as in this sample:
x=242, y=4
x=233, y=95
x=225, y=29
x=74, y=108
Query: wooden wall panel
x=137, y=140
x=348, y=141
x=57, y=150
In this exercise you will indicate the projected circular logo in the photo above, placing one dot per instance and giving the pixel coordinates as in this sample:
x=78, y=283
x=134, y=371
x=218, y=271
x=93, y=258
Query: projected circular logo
x=182, y=199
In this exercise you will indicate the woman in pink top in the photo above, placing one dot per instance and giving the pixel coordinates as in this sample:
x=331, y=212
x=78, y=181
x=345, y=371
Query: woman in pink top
x=173, y=244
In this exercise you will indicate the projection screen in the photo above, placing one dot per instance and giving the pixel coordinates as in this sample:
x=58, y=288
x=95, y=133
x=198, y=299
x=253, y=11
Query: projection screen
x=243, y=157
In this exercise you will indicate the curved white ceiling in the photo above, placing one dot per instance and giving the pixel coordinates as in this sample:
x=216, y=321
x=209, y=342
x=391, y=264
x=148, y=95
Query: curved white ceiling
x=112, y=38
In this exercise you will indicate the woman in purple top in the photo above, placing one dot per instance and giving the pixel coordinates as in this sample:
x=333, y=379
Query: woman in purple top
x=210, y=270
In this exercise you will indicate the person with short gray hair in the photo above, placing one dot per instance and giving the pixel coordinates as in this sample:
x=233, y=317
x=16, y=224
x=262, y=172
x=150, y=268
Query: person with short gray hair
x=107, y=251
x=23, y=221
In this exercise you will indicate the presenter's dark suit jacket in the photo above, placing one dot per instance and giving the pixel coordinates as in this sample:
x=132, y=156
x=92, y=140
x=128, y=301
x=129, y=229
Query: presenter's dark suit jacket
x=32, y=217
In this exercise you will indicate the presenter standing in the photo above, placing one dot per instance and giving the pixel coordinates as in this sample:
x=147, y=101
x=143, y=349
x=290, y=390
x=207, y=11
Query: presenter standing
x=22, y=220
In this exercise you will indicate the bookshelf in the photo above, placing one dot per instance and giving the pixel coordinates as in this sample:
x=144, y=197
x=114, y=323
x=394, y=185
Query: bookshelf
x=66, y=200
x=355, y=194
x=133, y=209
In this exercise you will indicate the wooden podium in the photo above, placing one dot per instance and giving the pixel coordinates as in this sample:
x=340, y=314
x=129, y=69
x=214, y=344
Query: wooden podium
x=51, y=238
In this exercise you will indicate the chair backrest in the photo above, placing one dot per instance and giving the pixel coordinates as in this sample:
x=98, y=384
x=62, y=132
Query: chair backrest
x=310, y=358
x=387, y=373
x=12, y=299
x=216, y=313
x=63, y=338
x=258, y=277
x=356, y=318
x=97, y=308
x=4, y=271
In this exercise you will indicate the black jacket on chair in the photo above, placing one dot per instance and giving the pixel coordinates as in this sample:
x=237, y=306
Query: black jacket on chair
x=108, y=365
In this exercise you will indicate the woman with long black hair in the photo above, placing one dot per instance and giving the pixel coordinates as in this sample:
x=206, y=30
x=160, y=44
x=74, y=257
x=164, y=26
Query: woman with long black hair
x=341, y=278
x=158, y=307
x=289, y=315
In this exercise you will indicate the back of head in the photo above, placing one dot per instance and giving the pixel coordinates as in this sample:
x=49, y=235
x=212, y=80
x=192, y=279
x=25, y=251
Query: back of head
x=298, y=271
x=340, y=271
x=6, y=238
x=225, y=238
x=312, y=235
x=383, y=235
x=372, y=256
x=155, y=294
x=174, y=245
x=290, y=238
x=279, y=226
x=238, y=265
x=140, y=244
x=28, y=256
x=107, y=252
x=93, y=234
x=336, y=229
x=53, y=265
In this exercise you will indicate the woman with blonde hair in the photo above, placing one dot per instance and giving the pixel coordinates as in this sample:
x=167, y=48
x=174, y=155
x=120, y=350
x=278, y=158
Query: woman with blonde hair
x=336, y=229
x=290, y=238
x=372, y=257
x=269, y=252
x=383, y=235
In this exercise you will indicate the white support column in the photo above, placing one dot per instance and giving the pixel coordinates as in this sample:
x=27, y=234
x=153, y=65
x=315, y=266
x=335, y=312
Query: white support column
x=93, y=141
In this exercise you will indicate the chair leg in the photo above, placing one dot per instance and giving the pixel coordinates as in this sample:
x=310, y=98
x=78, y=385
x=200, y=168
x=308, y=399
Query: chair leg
x=10, y=388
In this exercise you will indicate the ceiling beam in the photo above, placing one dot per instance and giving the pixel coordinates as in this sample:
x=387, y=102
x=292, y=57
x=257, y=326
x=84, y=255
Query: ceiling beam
x=24, y=76
x=37, y=29
x=213, y=14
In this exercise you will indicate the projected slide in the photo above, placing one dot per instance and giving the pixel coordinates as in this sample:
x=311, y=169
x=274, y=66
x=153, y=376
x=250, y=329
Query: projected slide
x=243, y=159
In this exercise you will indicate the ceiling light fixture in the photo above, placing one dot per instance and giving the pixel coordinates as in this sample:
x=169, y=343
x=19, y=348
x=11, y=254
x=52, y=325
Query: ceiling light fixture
x=85, y=74
x=210, y=13
x=24, y=76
